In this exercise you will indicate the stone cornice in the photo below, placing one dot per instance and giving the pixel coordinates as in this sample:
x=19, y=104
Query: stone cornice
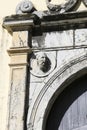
x=19, y=50
x=48, y=22
x=20, y=22
x=59, y=22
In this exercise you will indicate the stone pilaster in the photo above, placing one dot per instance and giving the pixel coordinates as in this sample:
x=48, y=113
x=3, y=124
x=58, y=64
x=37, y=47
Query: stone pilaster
x=18, y=83
x=20, y=27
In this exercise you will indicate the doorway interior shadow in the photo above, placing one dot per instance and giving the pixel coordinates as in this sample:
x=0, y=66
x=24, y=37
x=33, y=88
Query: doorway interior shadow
x=67, y=101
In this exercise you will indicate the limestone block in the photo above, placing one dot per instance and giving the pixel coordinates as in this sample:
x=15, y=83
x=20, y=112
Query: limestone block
x=54, y=39
x=18, y=67
x=18, y=59
x=65, y=56
x=17, y=98
x=34, y=79
x=20, y=39
x=81, y=37
x=34, y=91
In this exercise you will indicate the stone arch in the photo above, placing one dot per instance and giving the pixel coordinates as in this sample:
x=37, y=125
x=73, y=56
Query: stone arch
x=62, y=77
x=68, y=111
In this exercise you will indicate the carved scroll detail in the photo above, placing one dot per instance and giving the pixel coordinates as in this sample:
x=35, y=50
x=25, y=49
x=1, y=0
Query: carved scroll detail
x=25, y=6
x=61, y=8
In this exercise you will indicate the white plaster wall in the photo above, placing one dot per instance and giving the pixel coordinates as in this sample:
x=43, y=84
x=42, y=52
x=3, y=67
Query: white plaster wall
x=5, y=41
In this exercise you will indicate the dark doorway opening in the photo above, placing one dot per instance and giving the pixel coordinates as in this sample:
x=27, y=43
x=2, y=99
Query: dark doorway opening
x=69, y=111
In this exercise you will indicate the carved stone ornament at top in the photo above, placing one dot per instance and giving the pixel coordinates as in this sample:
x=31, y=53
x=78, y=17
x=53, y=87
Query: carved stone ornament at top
x=85, y=2
x=42, y=64
x=61, y=8
x=25, y=6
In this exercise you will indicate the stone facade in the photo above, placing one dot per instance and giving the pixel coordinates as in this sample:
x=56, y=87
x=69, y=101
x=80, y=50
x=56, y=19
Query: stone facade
x=29, y=90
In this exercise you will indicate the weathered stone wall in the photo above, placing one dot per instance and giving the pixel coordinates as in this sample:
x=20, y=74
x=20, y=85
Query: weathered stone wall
x=47, y=40
x=70, y=59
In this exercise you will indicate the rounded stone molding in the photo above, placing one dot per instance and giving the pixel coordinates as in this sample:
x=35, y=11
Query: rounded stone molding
x=69, y=72
x=42, y=64
x=25, y=6
x=61, y=8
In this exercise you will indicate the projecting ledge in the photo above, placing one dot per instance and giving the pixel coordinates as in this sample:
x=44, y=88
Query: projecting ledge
x=20, y=22
x=19, y=50
x=46, y=23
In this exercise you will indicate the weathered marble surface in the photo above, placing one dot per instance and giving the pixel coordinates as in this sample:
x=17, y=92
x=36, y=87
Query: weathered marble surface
x=16, y=108
x=54, y=39
x=41, y=91
x=36, y=84
x=20, y=39
x=69, y=61
x=81, y=37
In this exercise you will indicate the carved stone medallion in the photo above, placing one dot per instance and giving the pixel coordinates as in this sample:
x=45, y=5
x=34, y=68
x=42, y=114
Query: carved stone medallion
x=42, y=64
x=61, y=8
